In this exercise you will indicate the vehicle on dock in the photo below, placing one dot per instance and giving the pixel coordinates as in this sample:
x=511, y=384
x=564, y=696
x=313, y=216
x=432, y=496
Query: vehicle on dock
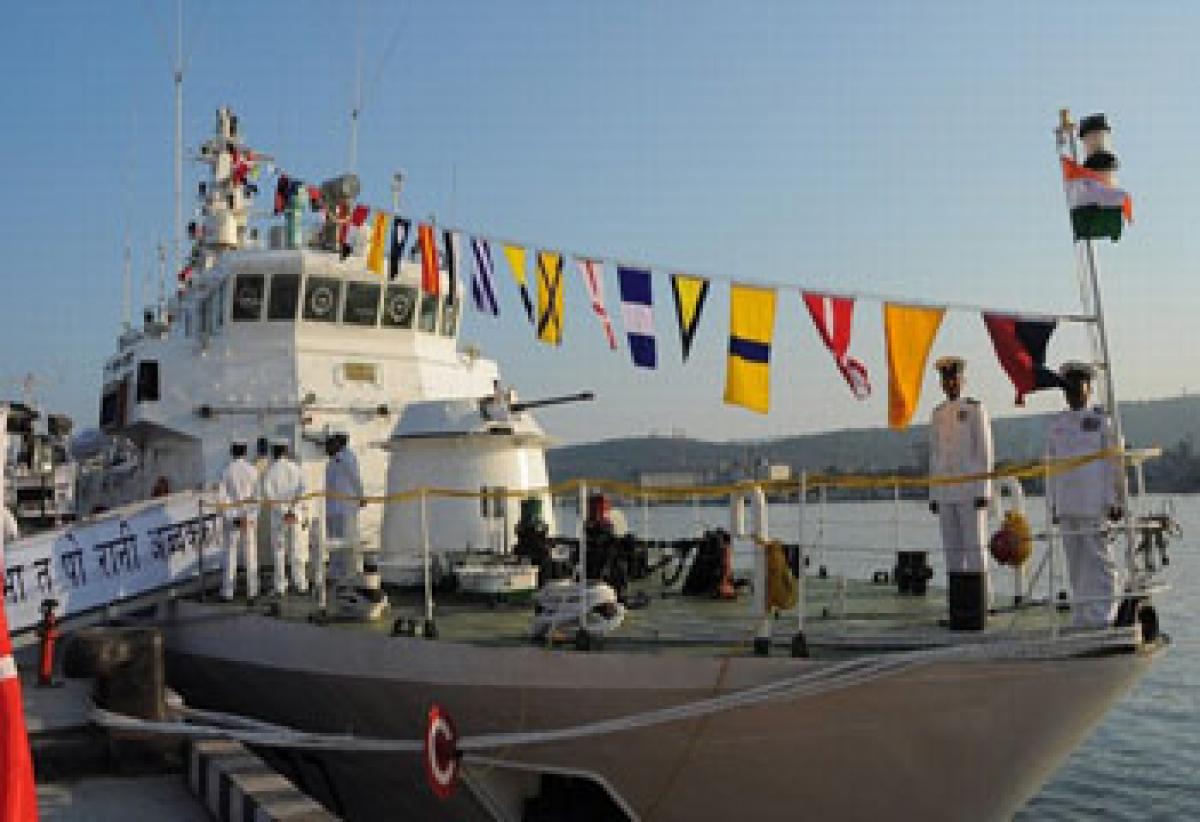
x=40, y=473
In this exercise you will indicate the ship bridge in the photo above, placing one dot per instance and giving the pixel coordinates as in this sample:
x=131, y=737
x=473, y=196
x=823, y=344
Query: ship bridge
x=278, y=330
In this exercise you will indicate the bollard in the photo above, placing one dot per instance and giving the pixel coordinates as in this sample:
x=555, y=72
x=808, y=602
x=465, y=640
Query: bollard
x=49, y=634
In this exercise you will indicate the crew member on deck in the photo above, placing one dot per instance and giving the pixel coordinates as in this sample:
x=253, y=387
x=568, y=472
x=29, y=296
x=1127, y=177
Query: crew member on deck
x=283, y=487
x=11, y=532
x=1081, y=498
x=239, y=490
x=342, y=479
x=960, y=442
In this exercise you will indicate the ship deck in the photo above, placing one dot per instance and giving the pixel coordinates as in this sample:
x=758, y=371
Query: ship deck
x=842, y=618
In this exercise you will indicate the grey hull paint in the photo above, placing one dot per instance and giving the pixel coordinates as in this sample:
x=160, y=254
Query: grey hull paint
x=940, y=741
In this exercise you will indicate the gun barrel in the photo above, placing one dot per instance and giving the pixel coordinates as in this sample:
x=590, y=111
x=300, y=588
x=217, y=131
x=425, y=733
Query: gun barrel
x=583, y=396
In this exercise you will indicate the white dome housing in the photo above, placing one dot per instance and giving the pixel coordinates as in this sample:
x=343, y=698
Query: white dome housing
x=462, y=445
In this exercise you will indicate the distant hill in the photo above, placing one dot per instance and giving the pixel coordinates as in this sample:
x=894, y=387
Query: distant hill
x=1172, y=423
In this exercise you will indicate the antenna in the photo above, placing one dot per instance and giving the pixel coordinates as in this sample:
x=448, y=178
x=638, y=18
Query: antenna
x=127, y=287
x=359, y=102
x=397, y=188
x=127, y=268
x=147, y=274
x=178, y=77
x=162, y=280
x=356, y=107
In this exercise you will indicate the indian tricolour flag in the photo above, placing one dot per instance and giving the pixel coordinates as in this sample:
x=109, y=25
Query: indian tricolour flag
x=1097, y=208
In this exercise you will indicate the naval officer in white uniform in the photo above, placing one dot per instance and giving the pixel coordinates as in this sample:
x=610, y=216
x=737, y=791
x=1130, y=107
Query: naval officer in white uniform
x=239, y=490
x=342, y=480
x=283, y=487
x=960, y=442
x=1080, y=500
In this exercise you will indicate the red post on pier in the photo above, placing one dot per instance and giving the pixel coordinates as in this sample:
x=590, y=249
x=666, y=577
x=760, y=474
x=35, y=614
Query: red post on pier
x=48, y=634
x=18, y=796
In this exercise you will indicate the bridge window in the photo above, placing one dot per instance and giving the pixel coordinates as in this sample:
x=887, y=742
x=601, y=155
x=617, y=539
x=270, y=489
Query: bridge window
x=398, y=306
x=362, y=304
x=248, y=297
x=449, y=319
x=321, y=299
x=285, y=293
x=429, y=312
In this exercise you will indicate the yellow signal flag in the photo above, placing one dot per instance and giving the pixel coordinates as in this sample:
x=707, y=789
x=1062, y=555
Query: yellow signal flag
x=751, y=327
x=909, y=331
x=690, y=293
x=515, y=255
x=550, y=297
x=379, y=233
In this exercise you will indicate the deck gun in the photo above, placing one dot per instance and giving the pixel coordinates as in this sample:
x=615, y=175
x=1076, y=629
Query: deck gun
x=525, y=405
x=502, y=404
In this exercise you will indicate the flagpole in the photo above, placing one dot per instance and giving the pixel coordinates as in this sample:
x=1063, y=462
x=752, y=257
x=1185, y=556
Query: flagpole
x=1067, y=129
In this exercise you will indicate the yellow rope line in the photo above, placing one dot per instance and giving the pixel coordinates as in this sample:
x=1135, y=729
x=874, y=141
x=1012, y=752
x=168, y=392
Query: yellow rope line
x=1031, y=469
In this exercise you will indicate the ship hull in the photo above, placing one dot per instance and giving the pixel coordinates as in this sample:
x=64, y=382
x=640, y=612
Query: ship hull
x=940, y=740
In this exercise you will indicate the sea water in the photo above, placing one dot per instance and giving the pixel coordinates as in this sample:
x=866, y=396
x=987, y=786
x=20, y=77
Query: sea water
x=1142, y=762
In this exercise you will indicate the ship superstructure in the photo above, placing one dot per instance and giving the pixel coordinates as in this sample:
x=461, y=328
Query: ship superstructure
x=275, y=331
x=39, y=488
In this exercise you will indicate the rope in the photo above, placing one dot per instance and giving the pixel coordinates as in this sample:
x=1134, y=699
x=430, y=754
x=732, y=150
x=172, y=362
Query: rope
x=836, y=676
x=1031, y=469
x=253, y=732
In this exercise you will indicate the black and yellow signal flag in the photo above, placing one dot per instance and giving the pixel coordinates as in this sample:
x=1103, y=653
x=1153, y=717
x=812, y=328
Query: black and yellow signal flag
x=690, y=293
x=516, y=261
x=751, y=327
x=550, y=297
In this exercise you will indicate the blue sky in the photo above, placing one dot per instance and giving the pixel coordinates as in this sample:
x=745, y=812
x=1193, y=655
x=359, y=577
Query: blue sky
x=895, y=148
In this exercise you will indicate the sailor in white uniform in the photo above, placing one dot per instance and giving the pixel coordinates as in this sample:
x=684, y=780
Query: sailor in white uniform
x=342, y=479
x=1080, y=500
x=282, y=488
x=9, y=532
x=960, y=442
x=238, y=489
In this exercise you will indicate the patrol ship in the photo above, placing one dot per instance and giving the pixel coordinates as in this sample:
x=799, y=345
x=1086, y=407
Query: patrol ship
x=689, y=710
